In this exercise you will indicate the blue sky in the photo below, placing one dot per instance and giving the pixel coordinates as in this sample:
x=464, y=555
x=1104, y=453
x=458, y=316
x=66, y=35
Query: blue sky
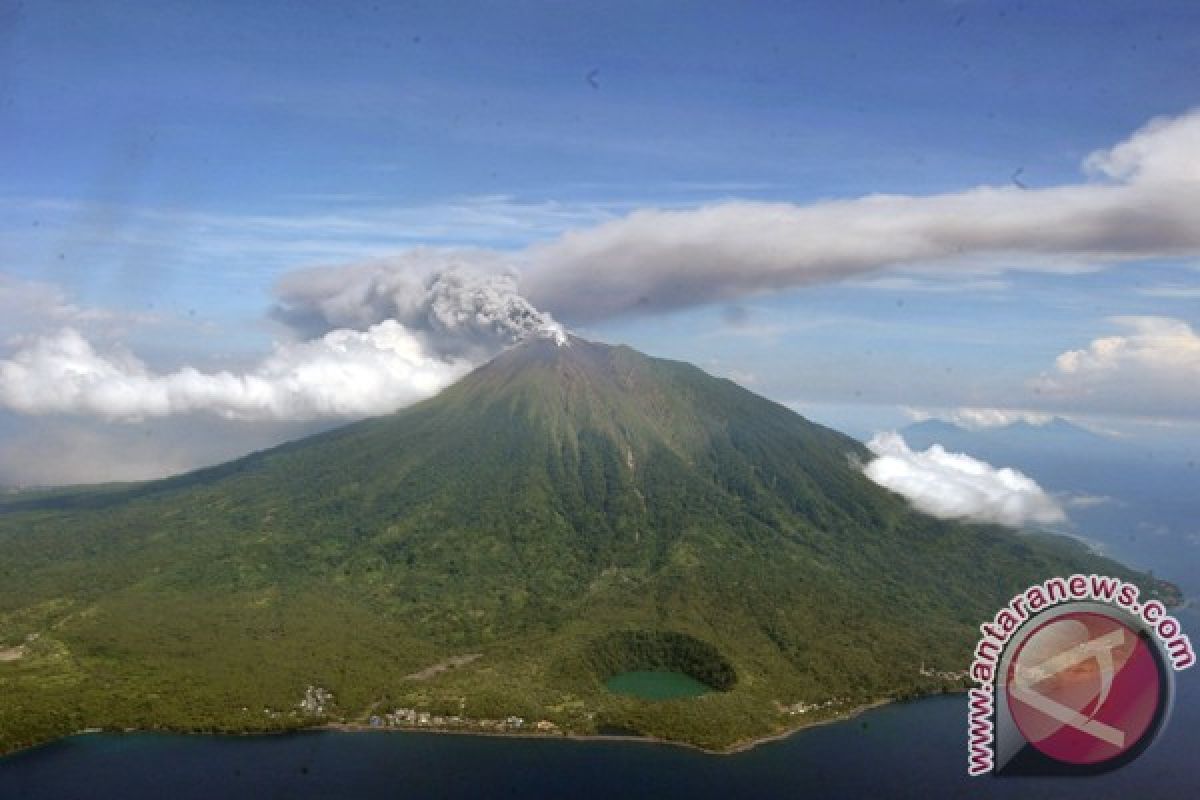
x=287, y=107
x=167, y=163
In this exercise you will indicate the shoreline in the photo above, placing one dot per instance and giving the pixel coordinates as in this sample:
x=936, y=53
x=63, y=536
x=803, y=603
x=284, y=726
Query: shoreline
x=736, y=748
x=740, y=746
x=845, y=716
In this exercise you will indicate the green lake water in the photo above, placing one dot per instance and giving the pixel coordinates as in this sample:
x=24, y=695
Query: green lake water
x=656, y=685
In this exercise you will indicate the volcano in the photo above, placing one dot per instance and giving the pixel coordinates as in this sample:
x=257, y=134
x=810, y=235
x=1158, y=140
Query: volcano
x=489, y=558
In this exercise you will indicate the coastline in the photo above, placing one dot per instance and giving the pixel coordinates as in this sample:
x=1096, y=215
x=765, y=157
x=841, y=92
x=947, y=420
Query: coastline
x=845, y=716
x=740, y=746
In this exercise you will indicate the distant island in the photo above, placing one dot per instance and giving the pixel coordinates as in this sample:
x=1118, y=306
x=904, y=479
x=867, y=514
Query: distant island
x=514, y=555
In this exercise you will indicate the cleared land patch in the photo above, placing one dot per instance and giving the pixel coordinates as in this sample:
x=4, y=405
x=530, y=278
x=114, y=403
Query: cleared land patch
x=434, y=670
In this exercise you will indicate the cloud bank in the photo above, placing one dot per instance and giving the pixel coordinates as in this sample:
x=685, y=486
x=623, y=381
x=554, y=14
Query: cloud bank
x=379, y=338
x=342, y=373
x=956, y=486
x=1152, y=368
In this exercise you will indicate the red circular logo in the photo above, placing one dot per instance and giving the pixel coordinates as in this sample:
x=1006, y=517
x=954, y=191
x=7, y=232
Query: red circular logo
x=1084, y=688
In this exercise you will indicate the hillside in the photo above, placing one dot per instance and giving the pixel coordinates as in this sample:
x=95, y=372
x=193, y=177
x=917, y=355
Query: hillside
x=499, y=550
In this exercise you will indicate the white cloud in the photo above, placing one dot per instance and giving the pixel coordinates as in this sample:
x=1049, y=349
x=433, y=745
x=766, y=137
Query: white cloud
x=344, y=372
x=1154, y=368
x=956, y=486
x=1163, y=151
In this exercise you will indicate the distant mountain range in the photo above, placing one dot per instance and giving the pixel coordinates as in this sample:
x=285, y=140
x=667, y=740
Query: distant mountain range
x=496, y=553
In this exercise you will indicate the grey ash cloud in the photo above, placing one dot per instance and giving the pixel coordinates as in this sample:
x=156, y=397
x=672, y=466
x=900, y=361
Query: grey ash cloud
x=459, y=303
x=1140, y=200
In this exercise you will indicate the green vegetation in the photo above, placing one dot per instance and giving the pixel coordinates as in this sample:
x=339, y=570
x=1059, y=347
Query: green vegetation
x=568, y=513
